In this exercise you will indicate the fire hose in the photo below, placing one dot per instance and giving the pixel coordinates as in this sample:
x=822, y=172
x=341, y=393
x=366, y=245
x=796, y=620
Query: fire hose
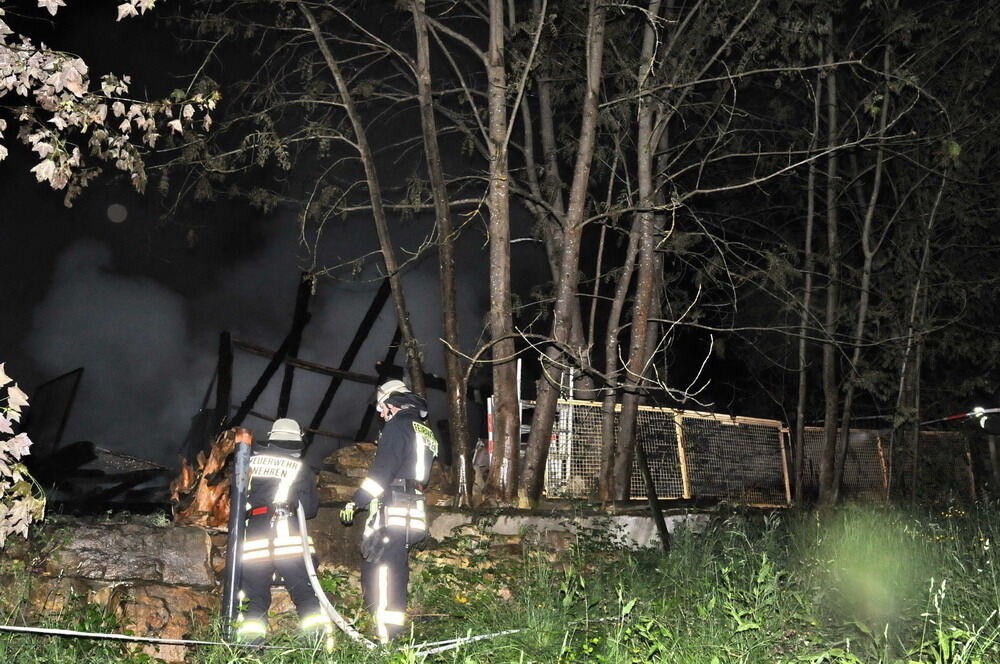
x=419, y=649
x=345, y=626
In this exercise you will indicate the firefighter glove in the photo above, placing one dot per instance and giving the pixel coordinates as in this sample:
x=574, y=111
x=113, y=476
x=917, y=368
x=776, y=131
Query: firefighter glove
x=347, y=514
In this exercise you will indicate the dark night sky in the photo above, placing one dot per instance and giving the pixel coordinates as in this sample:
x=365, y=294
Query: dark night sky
x=140, y=303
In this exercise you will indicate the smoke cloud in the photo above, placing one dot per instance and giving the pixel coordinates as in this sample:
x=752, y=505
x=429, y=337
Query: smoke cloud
x=149, y=352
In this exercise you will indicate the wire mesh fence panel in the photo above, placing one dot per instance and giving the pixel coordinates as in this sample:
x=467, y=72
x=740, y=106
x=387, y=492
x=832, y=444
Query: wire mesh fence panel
x=943, y=468
x=721, y=457
x=574, y=460
x=744, y=460
x=866, y=464
x=734, y=459
x=656, y=432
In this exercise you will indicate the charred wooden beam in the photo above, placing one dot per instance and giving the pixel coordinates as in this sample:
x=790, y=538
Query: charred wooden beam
x=389, y=370
x=308, y=430
x=224, y=384
x=364, y=329
x=299, y=320
x=254, y=349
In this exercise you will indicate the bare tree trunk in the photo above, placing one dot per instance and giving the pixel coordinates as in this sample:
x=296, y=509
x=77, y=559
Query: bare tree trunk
x=566, y=300
x=868, y=250
x=502, y=484
x=908, y=399
x=611, y=371
x=461, y=460
x=550, y=221
x=636, y=366
x=830, y=387
x=808, y=268
x=413, y=361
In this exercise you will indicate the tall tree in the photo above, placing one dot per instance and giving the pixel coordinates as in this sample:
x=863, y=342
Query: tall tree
x=506, y=409
x=365, y=153
x=566, y=292
x=461, y=461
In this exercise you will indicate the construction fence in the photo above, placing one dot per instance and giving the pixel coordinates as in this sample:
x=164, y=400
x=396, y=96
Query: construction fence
x=748, y=461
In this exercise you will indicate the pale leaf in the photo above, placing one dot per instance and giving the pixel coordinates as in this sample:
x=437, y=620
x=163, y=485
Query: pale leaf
x=44, y=170
x=126, y=10
x=51, y=5
x=16, y=398
x=4, y=378
x=72, y=78
x=175, y=126
x=5, y=425
x=19, y=445
x=42, y=148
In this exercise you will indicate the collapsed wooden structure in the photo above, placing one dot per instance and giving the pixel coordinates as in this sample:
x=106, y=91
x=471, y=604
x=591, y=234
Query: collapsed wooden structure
x=88, y=479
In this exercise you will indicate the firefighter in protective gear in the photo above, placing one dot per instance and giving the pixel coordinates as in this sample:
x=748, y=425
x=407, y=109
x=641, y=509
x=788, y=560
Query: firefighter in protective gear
x=280, y=480
x=393, y=495
x=988, y=422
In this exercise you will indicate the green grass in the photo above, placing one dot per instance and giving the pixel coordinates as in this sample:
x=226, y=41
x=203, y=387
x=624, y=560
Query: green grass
x=866, y=584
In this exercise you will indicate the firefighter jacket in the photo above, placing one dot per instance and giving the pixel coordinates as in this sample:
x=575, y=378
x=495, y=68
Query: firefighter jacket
x=279, y=482
x=399, y=473
x=990, y=424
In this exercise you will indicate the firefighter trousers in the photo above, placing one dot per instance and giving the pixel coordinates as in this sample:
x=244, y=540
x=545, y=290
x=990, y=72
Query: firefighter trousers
x=257, y=577
x=273, y=554
x=384, y=580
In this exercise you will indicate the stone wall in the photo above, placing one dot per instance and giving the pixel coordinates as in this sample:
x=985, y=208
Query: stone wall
x=164, y=580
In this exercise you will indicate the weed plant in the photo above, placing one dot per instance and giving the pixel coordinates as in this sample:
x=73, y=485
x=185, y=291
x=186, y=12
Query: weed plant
x=861, y=584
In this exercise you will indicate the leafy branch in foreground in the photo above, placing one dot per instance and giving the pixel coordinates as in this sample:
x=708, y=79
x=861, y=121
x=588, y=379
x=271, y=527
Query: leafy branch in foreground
x=63, y=118
x=21, y=499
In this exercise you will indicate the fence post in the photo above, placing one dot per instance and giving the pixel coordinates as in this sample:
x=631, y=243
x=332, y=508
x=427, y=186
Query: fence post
x=782, y=442
x=994, y=465
x=654, y=501
x=884, y=465
x=972, y=469
x=681, y=456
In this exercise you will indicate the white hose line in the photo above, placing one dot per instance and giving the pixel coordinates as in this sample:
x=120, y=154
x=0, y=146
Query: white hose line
x=49, y=631
x=451, y=644
x=419, y=649
x=334, y=615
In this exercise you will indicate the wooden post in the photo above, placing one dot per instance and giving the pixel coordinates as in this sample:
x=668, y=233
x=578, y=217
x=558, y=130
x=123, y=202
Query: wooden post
x=885, y=466
x=994, y=465
x=299, y=320
x=681, y=456
x=782, y=442
x=972, y=469
x=374, y=309
x=654, y=501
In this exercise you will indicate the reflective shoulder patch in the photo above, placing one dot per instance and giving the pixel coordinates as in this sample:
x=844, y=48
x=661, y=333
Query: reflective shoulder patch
x=426, y=437
x=278, y=467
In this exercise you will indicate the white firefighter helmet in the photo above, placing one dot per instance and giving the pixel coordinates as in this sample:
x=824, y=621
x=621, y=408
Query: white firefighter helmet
x=285, y=429
x=388, y=388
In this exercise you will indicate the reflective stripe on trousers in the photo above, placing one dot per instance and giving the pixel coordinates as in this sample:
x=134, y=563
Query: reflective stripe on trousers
x=384, y=584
